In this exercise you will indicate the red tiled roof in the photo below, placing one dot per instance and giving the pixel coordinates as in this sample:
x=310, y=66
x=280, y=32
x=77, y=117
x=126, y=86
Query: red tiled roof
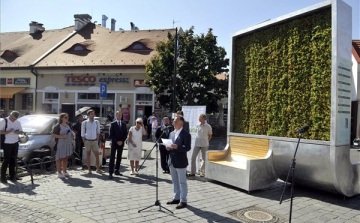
x=356, y=50
x=28, y=47
x=106, y=48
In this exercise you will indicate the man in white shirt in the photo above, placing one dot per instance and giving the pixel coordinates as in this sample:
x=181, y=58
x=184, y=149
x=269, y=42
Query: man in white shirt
x=11, y=128
x=203, y=136
x=90, y=131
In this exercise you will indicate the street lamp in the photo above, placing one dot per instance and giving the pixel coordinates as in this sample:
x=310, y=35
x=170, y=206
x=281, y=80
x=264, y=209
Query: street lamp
x=177, y=58
x=174, y=75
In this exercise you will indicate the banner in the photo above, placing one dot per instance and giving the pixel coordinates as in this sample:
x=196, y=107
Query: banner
x=191, y=115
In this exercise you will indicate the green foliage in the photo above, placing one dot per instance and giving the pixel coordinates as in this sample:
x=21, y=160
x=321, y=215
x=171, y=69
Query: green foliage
x=196, y=82
x=282, y=78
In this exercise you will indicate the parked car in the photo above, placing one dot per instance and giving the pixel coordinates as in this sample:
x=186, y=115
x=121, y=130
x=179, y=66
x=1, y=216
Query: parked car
x=38, y=129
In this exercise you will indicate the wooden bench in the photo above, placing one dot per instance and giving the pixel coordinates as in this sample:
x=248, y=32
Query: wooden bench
x=245, y=163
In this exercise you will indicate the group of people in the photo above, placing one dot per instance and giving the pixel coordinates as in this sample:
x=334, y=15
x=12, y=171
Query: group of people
x=173, y=157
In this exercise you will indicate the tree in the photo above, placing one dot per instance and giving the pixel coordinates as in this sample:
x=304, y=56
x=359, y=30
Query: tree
x=196, y=82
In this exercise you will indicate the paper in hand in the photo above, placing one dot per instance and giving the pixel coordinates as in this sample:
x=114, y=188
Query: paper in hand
x=167, y=142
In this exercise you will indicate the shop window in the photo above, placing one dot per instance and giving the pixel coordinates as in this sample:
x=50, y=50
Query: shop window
x=51, y=96
x=27, y=102
x=2, y=103
x=94, y=96
x=50, y=108
x=12, y=103
x=144, y=97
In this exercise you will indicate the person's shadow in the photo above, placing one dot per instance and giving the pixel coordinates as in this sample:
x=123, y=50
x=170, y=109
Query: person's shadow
x=19, y=188
x=210, y=216
x=77, y=182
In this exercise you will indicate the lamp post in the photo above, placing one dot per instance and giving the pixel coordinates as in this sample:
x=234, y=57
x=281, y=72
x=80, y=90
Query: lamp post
x=174, y=75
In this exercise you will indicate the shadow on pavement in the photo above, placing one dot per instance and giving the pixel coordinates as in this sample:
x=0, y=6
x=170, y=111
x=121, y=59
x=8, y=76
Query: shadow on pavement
x=77, y=182
x=210, y=216
x=274, y=192
x=19, y=188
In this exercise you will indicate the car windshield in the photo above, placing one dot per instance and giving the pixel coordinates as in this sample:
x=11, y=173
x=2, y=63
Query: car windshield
x=34, y=124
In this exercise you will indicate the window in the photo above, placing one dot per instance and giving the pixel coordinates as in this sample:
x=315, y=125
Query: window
x=9, y=53
x=137, y=46
x=12, y=103
x=51, y=96
x=27, y=102
x=144, y=97
x=94, y=96
x=78, y=49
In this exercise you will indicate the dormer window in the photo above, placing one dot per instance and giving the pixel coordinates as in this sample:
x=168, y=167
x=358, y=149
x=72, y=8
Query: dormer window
x=78, y=49
x=137, y=46
x=8, y=54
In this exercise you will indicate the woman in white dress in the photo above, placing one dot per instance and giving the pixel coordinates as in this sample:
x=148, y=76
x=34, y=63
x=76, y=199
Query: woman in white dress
x=135, y=145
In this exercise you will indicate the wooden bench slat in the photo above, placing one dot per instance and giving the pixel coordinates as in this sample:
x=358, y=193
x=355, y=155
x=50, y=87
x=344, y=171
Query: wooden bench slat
x=242, y=149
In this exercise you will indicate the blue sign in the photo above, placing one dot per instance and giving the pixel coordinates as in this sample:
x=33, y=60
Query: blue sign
x=103, y=90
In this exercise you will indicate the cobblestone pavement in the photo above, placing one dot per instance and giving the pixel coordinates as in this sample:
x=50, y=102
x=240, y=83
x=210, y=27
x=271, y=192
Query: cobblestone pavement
x=87, y=198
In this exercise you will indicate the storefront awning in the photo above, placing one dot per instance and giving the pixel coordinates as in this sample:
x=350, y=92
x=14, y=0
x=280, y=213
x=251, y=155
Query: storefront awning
x=8, y=92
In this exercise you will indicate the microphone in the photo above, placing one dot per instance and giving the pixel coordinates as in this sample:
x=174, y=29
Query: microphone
x=164, y=127
x=302, y=129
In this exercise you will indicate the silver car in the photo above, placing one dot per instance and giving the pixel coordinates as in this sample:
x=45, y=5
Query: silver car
x=38, y=129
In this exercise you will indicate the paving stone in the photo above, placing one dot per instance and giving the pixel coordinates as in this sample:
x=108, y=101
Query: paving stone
x=86, y=198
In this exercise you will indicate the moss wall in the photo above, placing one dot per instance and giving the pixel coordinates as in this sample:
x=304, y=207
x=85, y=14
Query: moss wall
x=282, y=78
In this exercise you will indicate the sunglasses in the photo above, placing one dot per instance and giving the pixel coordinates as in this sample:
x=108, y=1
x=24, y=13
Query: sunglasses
x=66, y=117
x=138, y=122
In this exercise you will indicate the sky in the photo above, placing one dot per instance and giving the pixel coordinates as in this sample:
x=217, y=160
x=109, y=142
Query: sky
x=225, y=17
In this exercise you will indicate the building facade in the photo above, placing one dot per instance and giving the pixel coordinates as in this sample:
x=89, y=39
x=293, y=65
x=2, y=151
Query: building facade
x=66, y=74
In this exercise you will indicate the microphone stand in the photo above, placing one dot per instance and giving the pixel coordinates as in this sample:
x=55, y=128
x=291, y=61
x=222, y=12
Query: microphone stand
x=157, y=201
x=292, y=170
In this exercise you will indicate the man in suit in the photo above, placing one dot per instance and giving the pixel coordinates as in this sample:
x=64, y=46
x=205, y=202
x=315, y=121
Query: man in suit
x=78, y=140
x=118, y=134
x=178, y=162
x=164, y=133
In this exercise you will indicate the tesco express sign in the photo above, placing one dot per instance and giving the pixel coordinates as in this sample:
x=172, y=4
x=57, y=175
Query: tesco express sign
x=90, y=80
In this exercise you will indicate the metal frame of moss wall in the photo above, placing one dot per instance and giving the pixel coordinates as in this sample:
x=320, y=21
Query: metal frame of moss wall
x=321, y=164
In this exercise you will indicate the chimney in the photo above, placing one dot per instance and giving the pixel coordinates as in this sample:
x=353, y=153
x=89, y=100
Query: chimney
x=104, y=18
x=113, y=21
x=81, y=20
x=132, y=25
x=36, y=27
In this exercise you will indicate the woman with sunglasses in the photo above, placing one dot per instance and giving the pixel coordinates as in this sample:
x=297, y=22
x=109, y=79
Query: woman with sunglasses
x=135, y=145
x=64, y=148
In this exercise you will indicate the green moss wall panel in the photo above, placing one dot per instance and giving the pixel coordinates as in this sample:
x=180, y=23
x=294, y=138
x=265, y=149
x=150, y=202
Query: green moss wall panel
x=282, y=78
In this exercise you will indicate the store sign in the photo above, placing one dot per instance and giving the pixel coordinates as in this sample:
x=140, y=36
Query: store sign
x=2, y=81
x=140, y=83
x=21, y=81
x=87, y=80
x=115, y=80
x=9, y=81
x=80, y=80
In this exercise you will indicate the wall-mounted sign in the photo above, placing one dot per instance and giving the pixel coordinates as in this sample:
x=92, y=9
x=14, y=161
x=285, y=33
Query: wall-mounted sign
x=115, y=80
x=140, y=83
x=2, y=81
x=89, y=80
x=80, y=80
x=21, y=81
x=9, y=81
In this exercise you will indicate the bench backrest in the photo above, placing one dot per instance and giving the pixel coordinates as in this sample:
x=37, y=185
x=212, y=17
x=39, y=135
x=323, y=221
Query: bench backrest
x=251, y=148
